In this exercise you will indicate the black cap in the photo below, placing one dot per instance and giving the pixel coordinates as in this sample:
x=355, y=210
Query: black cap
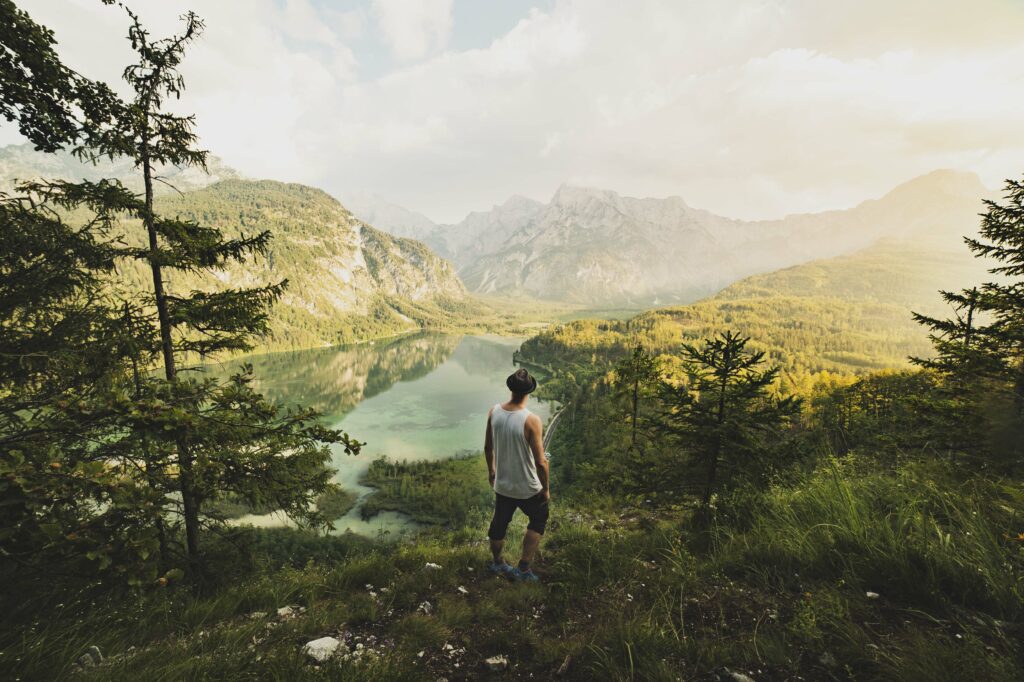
x=520, y=382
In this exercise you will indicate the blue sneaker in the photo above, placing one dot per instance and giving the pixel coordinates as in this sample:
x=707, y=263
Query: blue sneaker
x=526, y=576
x=501, y=569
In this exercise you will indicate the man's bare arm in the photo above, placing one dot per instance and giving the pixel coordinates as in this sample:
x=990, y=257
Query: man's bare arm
x=489, y=450
x=535, y=438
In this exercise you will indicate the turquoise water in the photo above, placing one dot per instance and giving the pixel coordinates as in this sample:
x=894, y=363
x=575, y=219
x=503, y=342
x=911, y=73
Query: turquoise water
x=422, y=397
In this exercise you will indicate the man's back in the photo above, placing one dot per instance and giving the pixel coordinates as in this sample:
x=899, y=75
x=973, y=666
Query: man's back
x=518, y=470
x=515, y=465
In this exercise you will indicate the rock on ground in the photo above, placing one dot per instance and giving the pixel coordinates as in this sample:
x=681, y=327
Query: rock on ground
x=321, y=649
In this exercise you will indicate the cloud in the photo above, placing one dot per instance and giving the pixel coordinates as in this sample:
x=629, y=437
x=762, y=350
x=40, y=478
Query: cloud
x=414, y=28
x=254, y=78
x=752, y=108
x=756, y=112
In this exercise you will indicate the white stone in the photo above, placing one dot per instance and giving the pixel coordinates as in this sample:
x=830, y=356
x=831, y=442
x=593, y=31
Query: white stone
x=321, y=649
x=289, y=612
x=496, y=663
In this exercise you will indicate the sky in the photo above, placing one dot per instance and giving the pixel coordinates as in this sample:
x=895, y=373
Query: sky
x=749, y=108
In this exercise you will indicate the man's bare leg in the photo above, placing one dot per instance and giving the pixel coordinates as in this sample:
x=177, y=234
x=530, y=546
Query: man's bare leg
x=531, y=541
x=496, y=548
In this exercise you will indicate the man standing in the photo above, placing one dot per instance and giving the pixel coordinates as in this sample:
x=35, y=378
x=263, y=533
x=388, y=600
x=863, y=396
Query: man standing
x=518, y=470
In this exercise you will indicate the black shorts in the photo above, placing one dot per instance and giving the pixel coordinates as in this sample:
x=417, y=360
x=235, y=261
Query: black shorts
x=535, y=508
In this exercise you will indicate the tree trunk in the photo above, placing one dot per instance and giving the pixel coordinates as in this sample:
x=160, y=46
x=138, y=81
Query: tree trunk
x=636, y=401
x=189, y=503
x=716, y=448
x=709, y=483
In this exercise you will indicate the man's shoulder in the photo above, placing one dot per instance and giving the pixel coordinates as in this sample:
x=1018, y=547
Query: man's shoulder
x=534, y=421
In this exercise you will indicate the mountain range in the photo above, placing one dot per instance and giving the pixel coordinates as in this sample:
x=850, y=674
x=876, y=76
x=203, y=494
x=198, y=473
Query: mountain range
x=347, y=280
x=20, y=162
x=597, y=248
x=371, y=268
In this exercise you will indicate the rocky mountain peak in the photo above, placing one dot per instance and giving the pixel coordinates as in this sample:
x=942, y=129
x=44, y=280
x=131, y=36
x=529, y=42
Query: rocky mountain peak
x=944, y=180
x=575, y=196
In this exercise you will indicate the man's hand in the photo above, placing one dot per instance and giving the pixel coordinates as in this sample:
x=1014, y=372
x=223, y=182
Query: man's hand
x=490, y=477
x=547, y=495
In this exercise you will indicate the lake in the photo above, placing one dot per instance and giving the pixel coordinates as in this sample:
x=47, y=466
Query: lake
x=419, y=397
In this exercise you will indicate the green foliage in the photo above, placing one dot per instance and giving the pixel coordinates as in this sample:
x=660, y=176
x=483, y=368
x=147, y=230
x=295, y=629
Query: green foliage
x=102, y=459
x=845, y=316
x=624, y=595
x=881, y=413
x=335, y=502
x=1002, y=239
x=447, y=492
x=919, y=536
x=53, y=105
x=71, y=503
x=637, y=376
x=722, y=413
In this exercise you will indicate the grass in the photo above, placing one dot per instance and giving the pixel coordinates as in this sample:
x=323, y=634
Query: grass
x=778, y=592
x=923, y=536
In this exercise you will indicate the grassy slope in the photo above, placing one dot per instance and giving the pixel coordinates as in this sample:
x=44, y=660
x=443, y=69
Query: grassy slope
x=627, y=594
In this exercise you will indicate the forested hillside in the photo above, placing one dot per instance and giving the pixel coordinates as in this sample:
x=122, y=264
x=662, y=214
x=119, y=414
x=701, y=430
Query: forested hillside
x=847, y=315
x=21, y=163
x=346, y=280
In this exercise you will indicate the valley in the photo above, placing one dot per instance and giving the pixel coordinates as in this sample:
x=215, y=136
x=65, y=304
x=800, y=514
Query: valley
x=374, y=269
x=253, y=429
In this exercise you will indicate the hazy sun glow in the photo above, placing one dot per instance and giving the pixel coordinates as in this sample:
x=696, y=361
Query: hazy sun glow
x=752, y=108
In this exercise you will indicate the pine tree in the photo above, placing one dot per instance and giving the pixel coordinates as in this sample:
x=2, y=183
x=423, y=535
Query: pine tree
x=637, y=373
x=963, y=345
x=722, y=413
x=121, y=452
x=967, y=358
x=53, y=105
x=224, y=437
x=71, y=504
x=1002, y=238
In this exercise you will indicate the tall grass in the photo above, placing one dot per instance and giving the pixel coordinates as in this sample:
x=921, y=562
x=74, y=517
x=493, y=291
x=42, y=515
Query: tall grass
x=918, y=536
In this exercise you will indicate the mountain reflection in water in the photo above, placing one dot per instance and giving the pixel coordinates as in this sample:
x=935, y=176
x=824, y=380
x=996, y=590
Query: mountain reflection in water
x=422, y=397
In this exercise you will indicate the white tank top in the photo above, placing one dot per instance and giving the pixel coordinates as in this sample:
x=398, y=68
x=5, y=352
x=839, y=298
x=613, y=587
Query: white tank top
x=515, y=468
